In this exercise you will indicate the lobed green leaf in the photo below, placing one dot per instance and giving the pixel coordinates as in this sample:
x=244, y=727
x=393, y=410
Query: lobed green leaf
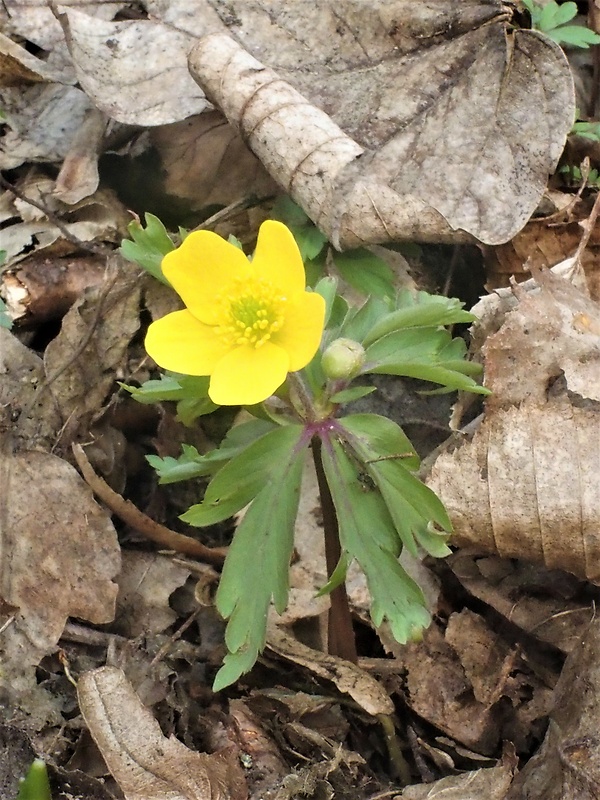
x=149, y=245
x=367, y=533
x=241, y=479
x=257, y=565
x=421, y=311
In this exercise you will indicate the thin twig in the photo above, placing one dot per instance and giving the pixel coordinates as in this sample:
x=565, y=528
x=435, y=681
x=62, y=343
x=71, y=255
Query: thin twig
x=136, y=519
x=97, y=250
x=229, y=211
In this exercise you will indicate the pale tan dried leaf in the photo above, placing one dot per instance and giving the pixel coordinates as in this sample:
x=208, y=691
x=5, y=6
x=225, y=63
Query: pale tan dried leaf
x=411, y=157
x=41, y=122
x=526, y=486
x=35, y=21
x=59, y=557
x=146, y=582
x=134, y=71
x=482, y=784
x=145, y=764
x=552, y=332
x=366, y=692
x=18, y=66
x=78, y=176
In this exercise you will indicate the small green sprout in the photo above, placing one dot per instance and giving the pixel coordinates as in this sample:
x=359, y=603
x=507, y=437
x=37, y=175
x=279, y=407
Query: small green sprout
x=35, y=785
x=552, y=18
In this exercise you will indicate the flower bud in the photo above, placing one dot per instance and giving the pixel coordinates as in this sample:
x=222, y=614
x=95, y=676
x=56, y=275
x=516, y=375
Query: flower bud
x=343, y=359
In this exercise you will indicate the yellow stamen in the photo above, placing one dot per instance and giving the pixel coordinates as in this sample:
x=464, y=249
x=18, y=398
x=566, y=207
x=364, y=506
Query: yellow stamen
x=251, y=311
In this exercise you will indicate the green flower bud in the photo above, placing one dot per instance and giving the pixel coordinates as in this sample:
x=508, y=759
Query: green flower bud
x=343, y=359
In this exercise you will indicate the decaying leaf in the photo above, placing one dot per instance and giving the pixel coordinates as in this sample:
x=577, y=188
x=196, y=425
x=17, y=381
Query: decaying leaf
x=568, y=765
x=135, y=71
x=483, y=784
x=81, y=361
x=367, y=692
x=145, y=584
x=207, y=162
x=434, y=125
x=59, y=557
x=147, y=765
x=526, y=484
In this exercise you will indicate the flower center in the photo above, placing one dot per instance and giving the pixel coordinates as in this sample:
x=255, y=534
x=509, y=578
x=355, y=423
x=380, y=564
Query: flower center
x=251, y=311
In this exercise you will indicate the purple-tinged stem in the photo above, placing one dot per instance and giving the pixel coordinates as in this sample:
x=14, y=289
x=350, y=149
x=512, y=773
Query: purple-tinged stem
x=341, y=641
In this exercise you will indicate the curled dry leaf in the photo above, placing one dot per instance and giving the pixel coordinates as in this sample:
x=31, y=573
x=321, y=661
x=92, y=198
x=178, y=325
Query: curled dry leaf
x=59, y=557
x=417, y=95
x=146, y=764
x=526, y=484
x=366, y=692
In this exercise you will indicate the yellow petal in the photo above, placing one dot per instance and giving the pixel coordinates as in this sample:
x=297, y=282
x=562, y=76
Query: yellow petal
x=180, y=343
x=202, y=267
x=302, y=329
x=248, y=375
x=277, y=258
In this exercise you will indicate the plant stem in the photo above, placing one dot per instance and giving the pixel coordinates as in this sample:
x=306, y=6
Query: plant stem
x=340, y=633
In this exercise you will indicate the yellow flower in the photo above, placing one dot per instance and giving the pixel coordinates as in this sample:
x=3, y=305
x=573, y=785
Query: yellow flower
x=246, y=323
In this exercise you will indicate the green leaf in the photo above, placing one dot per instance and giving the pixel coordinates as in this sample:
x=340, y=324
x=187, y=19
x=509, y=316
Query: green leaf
x=309, y=238
x=243, y=477
x=366, y=272
x=327, y=288
x=149, y=245
x=367, y=533
x=6, y=320
x=358, y=324
x=192, y=464
x=426, y=354
x=337, y=577
x=35, y=785
x=190, y=408
x=352, y=393
x=421, y=311
x=190, y=392
x=381, y=446
x=257, y=565
x=574, y=35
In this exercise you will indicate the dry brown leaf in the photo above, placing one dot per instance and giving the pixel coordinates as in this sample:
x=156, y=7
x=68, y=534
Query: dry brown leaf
x=206, y=162
x=146, y=582
x=366, y=692
x=81, y=361
x=567, y=767
x=41, y=122
x=537, y=600
x=407, y=153
x=483, y=784
x=526, y=485
x=145, y=764
x=59, y=557
x=135, y=71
